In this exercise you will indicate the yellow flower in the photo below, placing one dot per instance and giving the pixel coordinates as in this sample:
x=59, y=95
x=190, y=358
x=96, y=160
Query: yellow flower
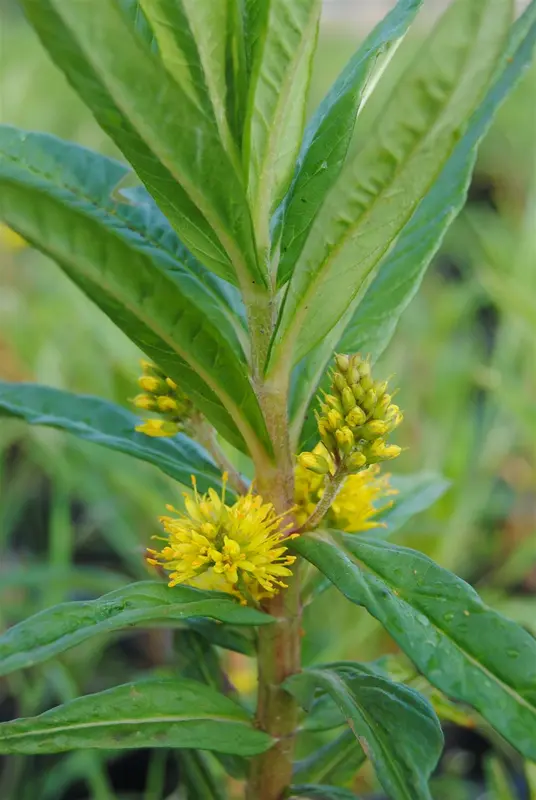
x=236, y=549
x=355, y=506
x=158, y=427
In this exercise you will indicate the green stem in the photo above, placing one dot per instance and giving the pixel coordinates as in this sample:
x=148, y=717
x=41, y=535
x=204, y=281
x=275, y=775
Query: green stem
x=206, y=435
x=279, y=645
x=331, y=490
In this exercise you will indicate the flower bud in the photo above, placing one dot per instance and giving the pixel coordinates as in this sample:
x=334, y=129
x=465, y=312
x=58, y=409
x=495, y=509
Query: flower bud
x=333, y=402
x=348, y=399
x=342, y=361
x=148, y=368
x=328, y=440
x=334, y=419
x=172, y=385
x=158, y=427
x=353, y=375
x=358, y=392
x=355, y=461
x=166, y=404
x=356, y=417
x=314, y=463
x=145, y=401
x=339, y=382
x=345, y=440
x=152, y=385
x=379, y=451
x=374, y=429
x=369, y=400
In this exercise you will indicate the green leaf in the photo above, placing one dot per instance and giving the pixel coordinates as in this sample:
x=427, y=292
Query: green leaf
x=377, y=710
x=439, y=621
x=335, y=762
x=225, y=636
x=59, y=628
x=109, y=425
x=151, y=713
x=58, y=197
x=320, y=792
x=192, y=39
x=329, y=133
x=416, y=493
x=398, y=163
x=135, y=99
x=281, y=51
x=371, y=326
x=401, y=273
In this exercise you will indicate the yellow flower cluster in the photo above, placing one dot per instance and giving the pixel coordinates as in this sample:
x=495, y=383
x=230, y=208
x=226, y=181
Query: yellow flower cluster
x=355, y=506
x=356, y=417
x=162, y=395
x=237, y=549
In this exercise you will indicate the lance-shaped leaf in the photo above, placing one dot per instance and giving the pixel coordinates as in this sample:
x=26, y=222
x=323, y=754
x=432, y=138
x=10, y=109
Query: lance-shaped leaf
x=151, y=713
x=281, y=44
x=402, y=157
x=109, y=425
x=47, y=197
x=440, y=622
x=192, y=43
x=415, y=493
x=374, y=321
x=147, y=603
x=179, y=156
x=329, y=133
x=378, y=711
x=371, y=325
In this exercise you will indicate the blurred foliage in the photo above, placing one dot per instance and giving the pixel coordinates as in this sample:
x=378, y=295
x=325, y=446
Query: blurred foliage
x=73, y=518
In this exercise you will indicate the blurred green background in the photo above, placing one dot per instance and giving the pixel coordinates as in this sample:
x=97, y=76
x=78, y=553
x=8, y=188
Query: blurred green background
x=74, y=519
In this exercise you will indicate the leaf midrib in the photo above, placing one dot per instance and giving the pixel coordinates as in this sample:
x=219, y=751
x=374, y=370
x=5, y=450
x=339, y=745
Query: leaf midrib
x=123, y=722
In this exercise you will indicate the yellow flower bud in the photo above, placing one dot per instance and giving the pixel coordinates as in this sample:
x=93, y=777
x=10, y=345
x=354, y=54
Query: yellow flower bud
x=358, y=392
x=374, y=429
x=152, y=385
x=348, y=399
x=333, y=402
x=166, y=404
x=145, y=401
x=172, y=385
x=369, y=400
x=334, y=419
x=328, y=440
x=339, y=382
x=158, y=427
x=345, y=440
x=364, y=369
x=355, y=461
x=356, y=417
x=380, y=388
x=342, y=361
x=379, y=451
x=314, y=463
x=148, y=368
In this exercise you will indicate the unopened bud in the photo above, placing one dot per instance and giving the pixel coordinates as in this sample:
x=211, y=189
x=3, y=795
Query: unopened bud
x=380, y=388
x=152, y=385
x=345, y=440
x=158, y=427
x=379, y=451
x=342, y=361
x=339, y=382
x=355, y=461
x=367, y=382
x=334, y=419
x=334, y=402
x=166, y=404
x=353, y=374
x=145, y=401
x=314, y=463
x=364, y=368
x=369, y=400
x=148, y=368
x=348, y=399
x=172, y=385
x=358, y=392
x=374, y=429
x=328, y=440
x=356, y=417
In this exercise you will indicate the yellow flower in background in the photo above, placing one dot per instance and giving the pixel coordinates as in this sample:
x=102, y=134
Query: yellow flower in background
x=236, y=549
x=10, y=240
x=356, y=504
